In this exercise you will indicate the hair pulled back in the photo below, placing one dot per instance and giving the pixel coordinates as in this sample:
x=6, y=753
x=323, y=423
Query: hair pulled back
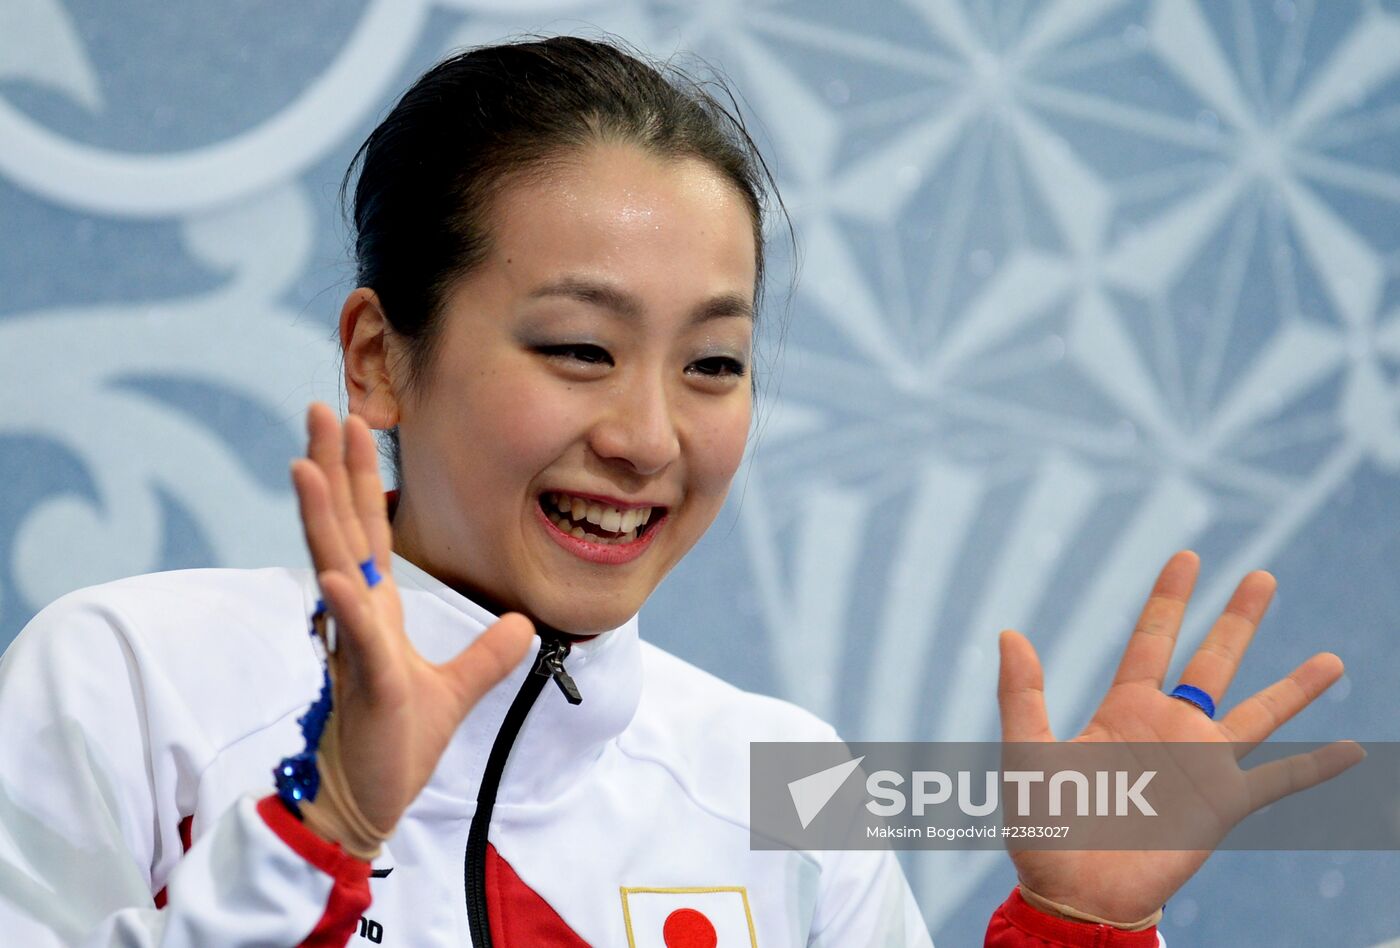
x=493, y=115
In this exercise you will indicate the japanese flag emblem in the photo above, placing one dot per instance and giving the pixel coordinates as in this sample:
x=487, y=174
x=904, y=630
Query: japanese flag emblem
x=700, y=917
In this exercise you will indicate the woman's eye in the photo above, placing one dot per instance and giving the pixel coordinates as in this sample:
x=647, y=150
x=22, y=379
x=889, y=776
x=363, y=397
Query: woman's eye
x=718, y=367
x=586, y=353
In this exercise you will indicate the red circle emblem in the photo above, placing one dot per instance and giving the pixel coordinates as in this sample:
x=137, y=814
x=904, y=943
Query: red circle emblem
x=688, y=928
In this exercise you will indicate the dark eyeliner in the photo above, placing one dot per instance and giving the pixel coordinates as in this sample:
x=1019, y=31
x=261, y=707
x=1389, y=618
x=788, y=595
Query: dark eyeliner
x=727, y=365
x=585, y=352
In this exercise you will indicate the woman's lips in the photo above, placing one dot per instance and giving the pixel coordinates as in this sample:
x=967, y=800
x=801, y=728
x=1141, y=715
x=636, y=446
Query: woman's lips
x=608, y=554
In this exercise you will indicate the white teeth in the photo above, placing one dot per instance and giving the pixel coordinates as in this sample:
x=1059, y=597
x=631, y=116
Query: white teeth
x=573, y=513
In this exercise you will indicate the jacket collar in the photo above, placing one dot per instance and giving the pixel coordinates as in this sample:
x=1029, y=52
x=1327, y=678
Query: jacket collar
x=558, y=741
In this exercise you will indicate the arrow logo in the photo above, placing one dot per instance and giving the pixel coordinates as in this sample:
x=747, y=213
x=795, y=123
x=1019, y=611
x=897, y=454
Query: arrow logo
x=813, y=792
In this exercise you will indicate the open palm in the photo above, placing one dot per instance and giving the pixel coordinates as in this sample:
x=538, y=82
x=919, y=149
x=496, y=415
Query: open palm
x=1126, y=885
x=395, y=710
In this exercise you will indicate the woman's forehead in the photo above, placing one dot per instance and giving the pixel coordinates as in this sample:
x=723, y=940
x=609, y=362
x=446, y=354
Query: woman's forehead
x=619, y=207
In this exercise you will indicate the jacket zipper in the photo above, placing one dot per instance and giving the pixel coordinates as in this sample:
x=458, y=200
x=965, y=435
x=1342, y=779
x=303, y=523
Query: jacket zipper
x=549, y=663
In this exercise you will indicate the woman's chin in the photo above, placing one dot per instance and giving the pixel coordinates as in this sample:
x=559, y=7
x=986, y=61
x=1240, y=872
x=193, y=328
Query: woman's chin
x=586, y=619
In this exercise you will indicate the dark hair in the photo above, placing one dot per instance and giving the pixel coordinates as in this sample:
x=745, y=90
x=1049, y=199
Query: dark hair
x=492, y=115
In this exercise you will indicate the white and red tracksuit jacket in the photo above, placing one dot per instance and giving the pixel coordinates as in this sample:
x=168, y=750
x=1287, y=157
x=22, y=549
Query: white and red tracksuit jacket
x=140, y=721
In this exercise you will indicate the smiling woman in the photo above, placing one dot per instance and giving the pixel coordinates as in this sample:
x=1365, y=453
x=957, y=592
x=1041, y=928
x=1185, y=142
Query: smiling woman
x=600, y=348
x=560, y=262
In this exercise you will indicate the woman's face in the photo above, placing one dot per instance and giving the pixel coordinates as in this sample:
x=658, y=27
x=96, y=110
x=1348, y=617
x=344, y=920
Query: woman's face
x=589, y=400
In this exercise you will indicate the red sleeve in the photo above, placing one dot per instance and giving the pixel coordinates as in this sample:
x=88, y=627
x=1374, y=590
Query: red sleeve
x=349, y=895
x=1016, y=924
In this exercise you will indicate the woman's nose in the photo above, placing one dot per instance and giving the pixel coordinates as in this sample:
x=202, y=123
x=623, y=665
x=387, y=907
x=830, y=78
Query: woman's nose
x=638, y=428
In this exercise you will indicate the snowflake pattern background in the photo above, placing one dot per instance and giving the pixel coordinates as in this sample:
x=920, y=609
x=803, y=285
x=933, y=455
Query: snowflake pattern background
x=1082, y=282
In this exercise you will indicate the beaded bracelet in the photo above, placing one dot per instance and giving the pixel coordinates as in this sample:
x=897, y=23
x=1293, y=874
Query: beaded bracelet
x=297, y=777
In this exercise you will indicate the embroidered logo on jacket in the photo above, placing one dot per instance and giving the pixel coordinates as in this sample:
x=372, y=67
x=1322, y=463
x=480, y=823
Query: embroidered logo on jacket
x=698, y=917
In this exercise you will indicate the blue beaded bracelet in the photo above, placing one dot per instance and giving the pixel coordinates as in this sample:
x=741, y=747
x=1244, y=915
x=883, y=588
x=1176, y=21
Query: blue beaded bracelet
x=296, y=777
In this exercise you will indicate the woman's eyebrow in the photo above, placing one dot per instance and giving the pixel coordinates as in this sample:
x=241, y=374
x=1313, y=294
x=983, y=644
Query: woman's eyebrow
x=726, y=304
x=628, y=307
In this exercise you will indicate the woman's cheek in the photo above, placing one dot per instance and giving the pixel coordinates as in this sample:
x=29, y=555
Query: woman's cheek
x=526, y=413
x=727, y=441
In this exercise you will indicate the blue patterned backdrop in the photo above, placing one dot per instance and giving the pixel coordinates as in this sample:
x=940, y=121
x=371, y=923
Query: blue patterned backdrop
x=1083, y=282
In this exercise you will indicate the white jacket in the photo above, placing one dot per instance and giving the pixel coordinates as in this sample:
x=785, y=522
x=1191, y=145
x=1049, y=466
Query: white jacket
x=129, y=708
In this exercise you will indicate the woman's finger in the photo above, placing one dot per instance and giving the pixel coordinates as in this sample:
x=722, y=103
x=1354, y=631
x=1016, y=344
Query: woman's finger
x=480, y=666
x=367, y=490
x=1271, y=782
x=319, y=523
x=1213, y=666
x=1149, y=650
x=1255, y=718
x=359, y=639
x=327, y=449
x=1021, y=691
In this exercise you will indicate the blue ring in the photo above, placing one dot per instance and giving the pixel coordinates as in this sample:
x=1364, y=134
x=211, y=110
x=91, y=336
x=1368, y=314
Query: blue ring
x=1194, y=695
x=372, y=576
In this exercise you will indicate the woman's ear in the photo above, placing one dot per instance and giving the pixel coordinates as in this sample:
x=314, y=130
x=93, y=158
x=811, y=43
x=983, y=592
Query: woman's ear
x=366, y=338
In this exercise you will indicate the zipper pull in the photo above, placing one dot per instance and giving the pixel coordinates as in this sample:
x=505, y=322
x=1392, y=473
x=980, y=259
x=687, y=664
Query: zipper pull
x=551, y=664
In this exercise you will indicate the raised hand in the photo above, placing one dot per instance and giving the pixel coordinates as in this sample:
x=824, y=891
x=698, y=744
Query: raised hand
x=395, y=711
x=1128, y=885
